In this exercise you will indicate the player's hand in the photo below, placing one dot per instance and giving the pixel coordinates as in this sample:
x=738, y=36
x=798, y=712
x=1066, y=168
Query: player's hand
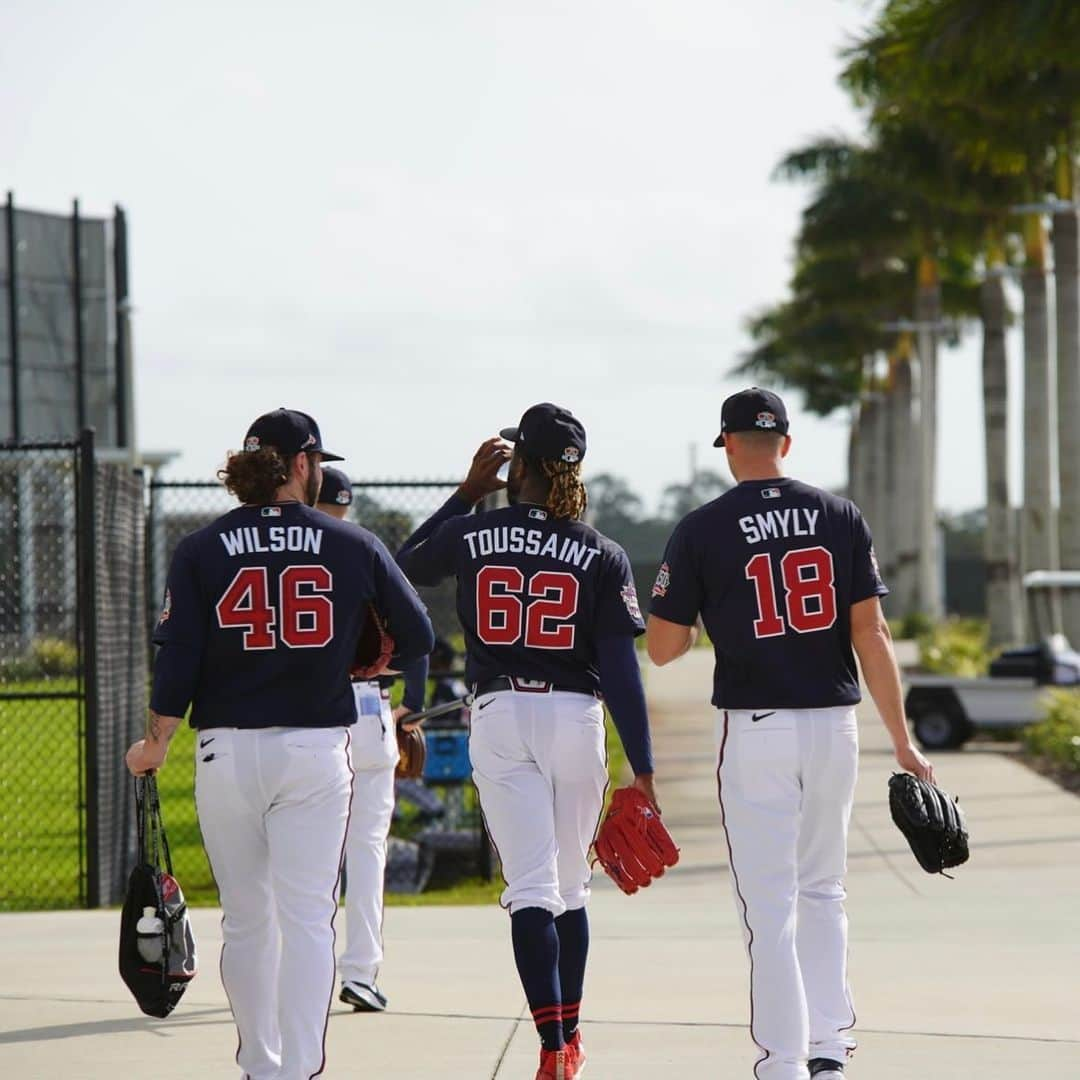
x=910, y=759
x=487, y=461
x=146, y=757
x=644, y=784
x=400, y=712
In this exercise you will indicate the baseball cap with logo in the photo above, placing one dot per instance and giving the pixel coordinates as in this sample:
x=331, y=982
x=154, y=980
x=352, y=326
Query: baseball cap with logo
x=336, y=487
x=548, y=432
x=288, y=431
x=752, y=410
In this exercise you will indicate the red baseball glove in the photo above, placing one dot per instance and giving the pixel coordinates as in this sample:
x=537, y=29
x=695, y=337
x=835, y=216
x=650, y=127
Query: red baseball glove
x=633, y=846
x=374, y=647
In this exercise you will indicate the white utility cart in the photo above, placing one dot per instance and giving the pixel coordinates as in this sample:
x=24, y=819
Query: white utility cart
x=946, y=711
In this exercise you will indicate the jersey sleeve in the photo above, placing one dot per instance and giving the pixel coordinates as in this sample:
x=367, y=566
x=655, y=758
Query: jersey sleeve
x=677, y=594
x=618, y=613
x=865, y=573
x=181, y=635
x=410, y=625
x=429, y=555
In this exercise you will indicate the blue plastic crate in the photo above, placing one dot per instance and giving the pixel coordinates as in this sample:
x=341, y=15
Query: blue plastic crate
x=447, y=756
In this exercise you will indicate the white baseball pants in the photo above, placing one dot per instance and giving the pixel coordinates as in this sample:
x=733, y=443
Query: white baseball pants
x=374, y=755
x=540, y=766
x=786, y=783
x=273, y=806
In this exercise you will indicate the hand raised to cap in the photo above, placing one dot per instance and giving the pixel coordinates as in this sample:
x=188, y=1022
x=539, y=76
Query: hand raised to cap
x=482, y=478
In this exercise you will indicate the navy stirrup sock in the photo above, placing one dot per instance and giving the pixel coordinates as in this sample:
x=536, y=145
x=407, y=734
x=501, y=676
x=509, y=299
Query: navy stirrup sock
x=573, y=930
x=536, y=953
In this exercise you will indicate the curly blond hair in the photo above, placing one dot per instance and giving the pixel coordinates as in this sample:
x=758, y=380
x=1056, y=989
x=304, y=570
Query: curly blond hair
x=567, y=497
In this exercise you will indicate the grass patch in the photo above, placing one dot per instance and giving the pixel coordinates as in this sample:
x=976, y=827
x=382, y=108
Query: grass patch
x=40, y=820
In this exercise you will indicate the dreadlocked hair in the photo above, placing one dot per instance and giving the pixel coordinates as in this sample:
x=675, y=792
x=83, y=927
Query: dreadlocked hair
x=567, y=497
x=254, y=476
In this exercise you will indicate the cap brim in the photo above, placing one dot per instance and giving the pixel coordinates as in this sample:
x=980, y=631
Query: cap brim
x=510, y=434
x=719, y=440
x=327, y=456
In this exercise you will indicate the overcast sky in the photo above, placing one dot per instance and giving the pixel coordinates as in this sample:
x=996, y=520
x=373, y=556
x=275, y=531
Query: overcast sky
x=414, y=219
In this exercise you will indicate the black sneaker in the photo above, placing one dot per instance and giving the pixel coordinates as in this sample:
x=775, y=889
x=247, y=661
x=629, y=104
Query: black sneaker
x=361, y=997
x=825, y=1069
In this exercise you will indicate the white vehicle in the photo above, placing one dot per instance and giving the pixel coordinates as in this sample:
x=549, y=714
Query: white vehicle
x=946, y=711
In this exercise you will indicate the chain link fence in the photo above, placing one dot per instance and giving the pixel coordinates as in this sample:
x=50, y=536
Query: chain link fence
x=389, y=509
x=70, y=620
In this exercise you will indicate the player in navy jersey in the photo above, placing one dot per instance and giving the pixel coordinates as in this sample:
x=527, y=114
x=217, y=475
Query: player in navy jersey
x=374, y=754
x=550, y=615
x=783, y=577
x=263, y=609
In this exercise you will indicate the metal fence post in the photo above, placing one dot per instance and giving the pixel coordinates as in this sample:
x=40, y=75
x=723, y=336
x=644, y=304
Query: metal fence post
x=13, y=318
x=87, y=588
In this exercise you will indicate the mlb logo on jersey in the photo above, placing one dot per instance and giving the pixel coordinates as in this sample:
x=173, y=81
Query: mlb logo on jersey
x=663, y=580
x=765, y=420
x=537, y=514
x=271, y=511
x=770, y=493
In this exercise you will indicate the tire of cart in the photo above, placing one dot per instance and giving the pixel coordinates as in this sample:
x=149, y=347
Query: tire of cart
x=938, y=719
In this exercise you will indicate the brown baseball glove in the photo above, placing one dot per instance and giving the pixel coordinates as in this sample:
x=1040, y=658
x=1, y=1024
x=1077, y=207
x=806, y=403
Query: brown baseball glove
x=412, y=753
x=633, y=845
x=374, y=647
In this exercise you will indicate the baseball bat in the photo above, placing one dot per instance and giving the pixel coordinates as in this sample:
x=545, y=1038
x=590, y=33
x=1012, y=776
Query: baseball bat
x=437, y=710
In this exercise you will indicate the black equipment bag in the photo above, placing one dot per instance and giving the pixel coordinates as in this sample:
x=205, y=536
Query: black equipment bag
x=156, y=968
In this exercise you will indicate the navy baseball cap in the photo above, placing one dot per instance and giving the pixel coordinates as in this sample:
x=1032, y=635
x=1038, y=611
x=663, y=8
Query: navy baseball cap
x=289, y=432
x=336, y=487
x=548, y=433
x=752, y=410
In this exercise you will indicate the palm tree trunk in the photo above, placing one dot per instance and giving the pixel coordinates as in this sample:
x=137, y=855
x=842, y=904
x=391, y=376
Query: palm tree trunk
x=1067, y=295
x=1002, y=585
x=903, y=581
x=927, y=317
x=891, y=477
x=1039, y=543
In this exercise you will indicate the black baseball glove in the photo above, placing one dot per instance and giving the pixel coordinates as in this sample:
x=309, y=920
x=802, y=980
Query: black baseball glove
x=932, y=822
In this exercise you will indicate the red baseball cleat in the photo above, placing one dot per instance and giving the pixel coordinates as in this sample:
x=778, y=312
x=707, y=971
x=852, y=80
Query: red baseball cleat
x=575, y=1050
x=556, y=1065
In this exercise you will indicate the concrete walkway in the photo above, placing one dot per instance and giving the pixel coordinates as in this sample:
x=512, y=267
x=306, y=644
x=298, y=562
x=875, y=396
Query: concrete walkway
x=977, y=977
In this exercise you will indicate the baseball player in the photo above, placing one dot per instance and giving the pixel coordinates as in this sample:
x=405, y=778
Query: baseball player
x=374, y=750
x=784, y=578
x=550, y=614
x=263, y=611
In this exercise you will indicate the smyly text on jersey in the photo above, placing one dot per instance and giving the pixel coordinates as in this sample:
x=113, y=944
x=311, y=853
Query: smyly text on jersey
x=777, y=524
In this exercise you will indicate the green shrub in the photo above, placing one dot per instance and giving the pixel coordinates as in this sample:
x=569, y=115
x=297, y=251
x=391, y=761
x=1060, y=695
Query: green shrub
x=1057, y=736
x=54, y=656
x=913, y=625
x=956, y=647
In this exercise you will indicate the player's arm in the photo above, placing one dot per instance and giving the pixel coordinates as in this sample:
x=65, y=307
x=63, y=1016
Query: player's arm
x=677, y=596
x=180, y=633
x=873, y=643
x=397, y=600
x=415, y=678
x=618, y=623
x=427, y=556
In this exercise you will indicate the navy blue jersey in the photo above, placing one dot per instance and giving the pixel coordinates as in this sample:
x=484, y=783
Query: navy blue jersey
x=773, y=568
x=534, y=593
x=262, y=613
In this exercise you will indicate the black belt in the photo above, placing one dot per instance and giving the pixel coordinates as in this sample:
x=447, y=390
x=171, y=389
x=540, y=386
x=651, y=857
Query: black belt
x=527, y=686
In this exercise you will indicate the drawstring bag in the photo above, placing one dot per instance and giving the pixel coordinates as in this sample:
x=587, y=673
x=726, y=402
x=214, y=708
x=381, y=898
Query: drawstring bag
x=157, y=947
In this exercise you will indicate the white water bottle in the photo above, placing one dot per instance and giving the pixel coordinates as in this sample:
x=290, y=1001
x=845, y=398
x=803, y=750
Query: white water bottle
x=150, y=933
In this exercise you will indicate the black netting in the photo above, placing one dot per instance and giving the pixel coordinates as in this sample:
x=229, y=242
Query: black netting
x=42, y=827
x=121, y=666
